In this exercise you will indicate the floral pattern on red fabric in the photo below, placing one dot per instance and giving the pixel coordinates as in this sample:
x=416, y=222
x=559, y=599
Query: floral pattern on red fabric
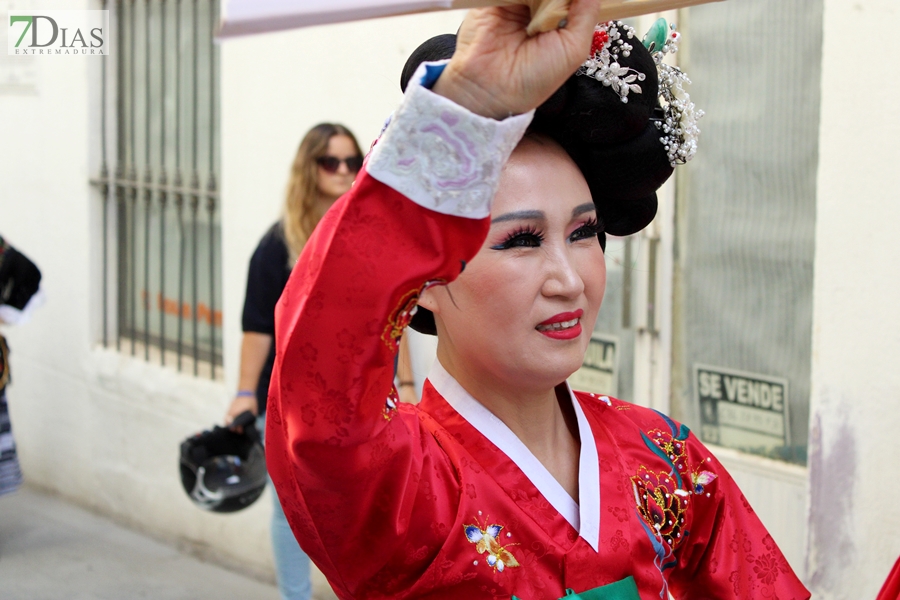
x=766, y=569
x=662, y=498
x=674, y=450
x=662, y=504
x=618, y=541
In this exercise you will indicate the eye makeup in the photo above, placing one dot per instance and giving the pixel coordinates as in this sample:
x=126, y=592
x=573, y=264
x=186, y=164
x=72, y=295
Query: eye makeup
x=526, y=236
x=588, y=229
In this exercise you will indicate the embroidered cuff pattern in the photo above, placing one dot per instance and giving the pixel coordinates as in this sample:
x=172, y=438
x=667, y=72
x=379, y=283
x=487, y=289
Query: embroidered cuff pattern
x=442, y=156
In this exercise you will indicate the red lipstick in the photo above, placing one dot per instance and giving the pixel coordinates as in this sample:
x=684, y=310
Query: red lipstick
x=564, y=326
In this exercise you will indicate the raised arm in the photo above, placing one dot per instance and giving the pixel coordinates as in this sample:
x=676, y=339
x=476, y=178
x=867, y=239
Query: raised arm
x=347, y=462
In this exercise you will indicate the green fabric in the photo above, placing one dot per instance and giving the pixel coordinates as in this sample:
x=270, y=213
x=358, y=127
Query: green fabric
x=626, y=589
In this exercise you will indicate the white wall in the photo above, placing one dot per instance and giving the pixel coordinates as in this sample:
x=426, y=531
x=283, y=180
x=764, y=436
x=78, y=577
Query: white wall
x=103, y=428
x=855, y=419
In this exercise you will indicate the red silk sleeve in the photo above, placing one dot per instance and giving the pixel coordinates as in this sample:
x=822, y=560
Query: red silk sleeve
x=351, y=470
x=891, y=588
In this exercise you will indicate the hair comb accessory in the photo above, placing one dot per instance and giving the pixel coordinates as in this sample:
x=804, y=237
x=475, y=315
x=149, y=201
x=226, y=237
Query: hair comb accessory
x=603, y=64
x=676, y=116
x=679, y=121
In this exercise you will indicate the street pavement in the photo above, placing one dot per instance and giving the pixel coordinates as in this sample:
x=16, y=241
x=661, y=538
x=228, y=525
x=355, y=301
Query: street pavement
x=52, y=550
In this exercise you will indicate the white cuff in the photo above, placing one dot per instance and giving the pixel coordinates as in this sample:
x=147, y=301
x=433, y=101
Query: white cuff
x=443, y=157
x=13, y=316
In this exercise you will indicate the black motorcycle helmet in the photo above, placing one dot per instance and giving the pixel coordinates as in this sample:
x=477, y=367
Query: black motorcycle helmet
x=223, y=470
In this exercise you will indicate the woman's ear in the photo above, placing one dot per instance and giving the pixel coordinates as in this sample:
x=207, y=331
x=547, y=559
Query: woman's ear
x=428, y=298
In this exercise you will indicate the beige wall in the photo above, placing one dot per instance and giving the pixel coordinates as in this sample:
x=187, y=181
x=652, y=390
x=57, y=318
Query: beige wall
x=855, y=419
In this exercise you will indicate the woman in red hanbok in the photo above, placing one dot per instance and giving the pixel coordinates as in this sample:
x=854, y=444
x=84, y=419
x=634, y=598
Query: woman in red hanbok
x=503, y=482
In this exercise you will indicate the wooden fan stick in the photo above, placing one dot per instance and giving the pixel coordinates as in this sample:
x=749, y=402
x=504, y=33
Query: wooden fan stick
x=244, y=17
x=546, y=15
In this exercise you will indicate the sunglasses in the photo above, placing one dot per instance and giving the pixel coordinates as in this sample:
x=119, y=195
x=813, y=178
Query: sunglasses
x=332, y=163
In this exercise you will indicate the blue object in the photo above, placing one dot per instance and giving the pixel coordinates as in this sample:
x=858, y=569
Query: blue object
x=291, y=562
x=432, y=73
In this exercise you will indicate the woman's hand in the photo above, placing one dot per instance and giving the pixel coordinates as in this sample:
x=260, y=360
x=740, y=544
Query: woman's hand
x=498, y=71
x=240, y=404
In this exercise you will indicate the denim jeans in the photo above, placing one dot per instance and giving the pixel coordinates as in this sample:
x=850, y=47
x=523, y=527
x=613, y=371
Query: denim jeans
x=291, y=563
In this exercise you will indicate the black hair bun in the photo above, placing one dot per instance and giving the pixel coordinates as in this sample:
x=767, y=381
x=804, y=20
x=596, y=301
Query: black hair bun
x=622, y=176
x=585, y=110
x=440, y=47
x=613, y=138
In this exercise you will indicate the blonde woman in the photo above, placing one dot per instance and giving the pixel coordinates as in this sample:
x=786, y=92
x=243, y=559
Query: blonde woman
x=324, y=168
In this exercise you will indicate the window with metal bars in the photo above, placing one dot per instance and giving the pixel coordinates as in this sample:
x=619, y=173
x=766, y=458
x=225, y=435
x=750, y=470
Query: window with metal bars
x=159, y=185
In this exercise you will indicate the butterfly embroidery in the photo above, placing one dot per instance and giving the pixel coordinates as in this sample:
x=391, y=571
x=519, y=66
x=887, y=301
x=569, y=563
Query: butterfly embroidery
x=485, y=540
x=701, y=479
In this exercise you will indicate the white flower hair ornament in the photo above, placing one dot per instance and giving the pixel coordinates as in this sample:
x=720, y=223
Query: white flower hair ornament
x=678, y=121
x=603, y=63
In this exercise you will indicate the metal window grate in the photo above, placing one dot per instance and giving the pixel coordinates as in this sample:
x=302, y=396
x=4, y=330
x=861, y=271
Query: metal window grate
x=161, y=222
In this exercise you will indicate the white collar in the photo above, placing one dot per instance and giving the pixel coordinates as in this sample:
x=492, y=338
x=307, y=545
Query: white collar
x=584, y=518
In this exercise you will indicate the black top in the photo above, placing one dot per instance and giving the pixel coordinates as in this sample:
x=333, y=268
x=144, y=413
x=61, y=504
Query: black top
x=19, y=281
x=267, y=276
x=19, y=277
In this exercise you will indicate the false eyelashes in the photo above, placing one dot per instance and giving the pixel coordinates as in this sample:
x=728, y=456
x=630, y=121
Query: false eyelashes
x=529, y=236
